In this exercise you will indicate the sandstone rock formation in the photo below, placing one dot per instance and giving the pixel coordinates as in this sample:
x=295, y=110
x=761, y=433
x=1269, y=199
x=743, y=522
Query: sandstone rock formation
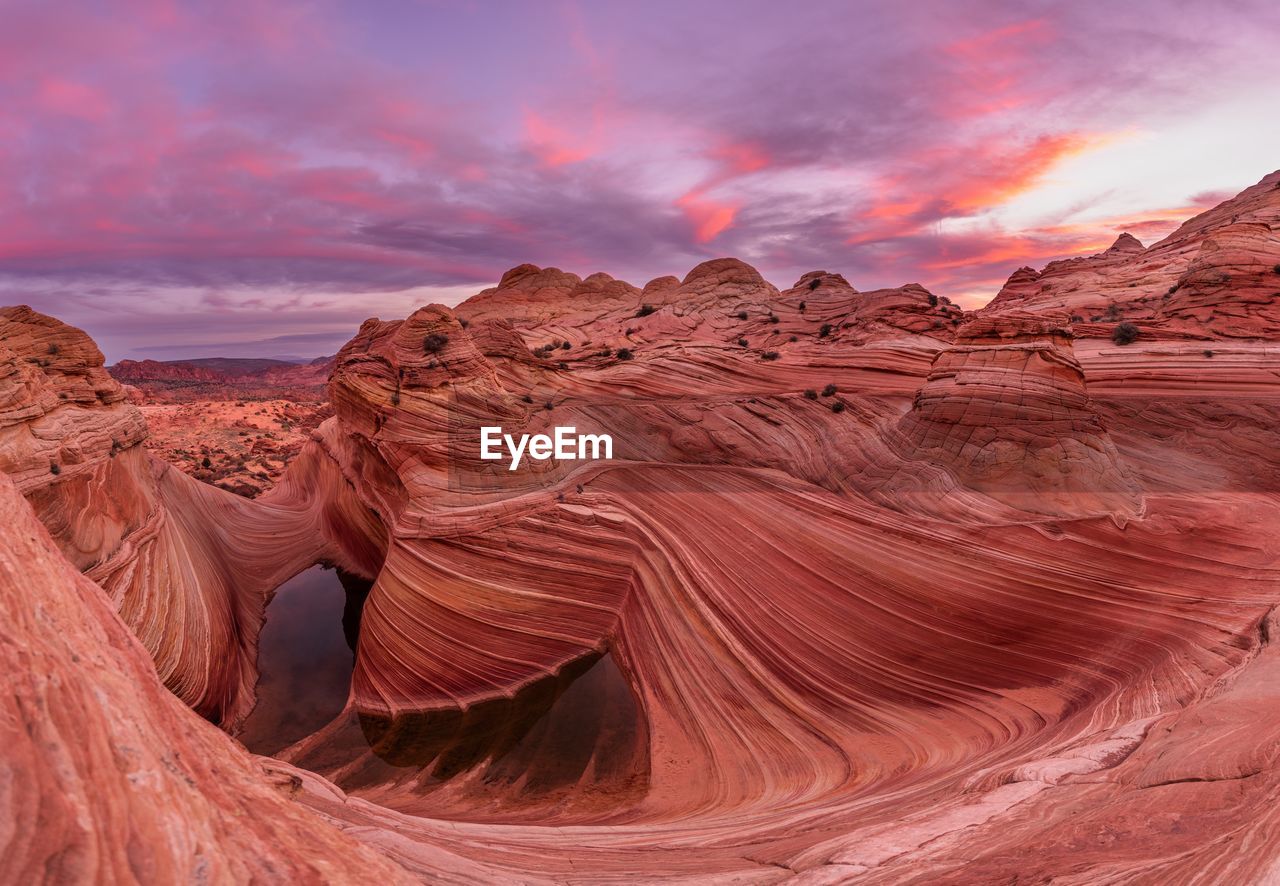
x=142, y=530
x=1005, y=413
x=1213, y=278
x=110, y=778
x=873, y=589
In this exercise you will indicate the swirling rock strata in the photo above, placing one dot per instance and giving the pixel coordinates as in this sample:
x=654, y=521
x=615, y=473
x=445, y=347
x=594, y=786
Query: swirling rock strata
x=872, y=589
x=107, y=776
x=1005, y=413
x=188, y=566
x=1214, y=278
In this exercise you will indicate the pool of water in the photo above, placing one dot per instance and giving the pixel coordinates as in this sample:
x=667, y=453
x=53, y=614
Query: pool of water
x=304, y=661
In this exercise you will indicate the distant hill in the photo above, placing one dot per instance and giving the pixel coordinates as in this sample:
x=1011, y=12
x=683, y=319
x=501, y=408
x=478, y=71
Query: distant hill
x=213, y=377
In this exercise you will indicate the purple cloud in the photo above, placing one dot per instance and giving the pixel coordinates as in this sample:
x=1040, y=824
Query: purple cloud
x=239, y=164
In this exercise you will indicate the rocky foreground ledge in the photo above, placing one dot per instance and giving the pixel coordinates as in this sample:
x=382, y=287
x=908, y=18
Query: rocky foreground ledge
x=873, y=589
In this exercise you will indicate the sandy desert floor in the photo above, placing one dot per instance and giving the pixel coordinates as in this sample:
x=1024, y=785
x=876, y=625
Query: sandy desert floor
x=240, y=445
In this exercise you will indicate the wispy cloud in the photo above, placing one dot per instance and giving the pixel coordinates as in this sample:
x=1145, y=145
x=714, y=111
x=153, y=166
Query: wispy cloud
x=251, y=161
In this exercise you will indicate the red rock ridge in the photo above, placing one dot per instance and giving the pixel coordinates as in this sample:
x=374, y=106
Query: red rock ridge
x=920, y=596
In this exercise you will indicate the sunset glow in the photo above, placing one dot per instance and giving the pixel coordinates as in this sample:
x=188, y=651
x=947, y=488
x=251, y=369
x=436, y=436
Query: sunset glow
x=242, y=171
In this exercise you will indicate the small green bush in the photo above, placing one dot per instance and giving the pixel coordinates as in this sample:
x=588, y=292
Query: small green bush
x=743, y=342
x=810, y=394
x=645, y=310
x=837, y=406
x=624, y=354
x=742, y=315
x=770, y=355
x=813, y=284
x=829, y=390
x=825, y=330
x=435, y=342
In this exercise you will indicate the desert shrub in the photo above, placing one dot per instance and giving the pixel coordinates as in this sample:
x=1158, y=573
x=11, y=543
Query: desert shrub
x=1076, y=318
x=829, y=390
x=802, y=307
x=395, y=398
x=1125, y=334
x=742, y=315
x=435, y=342
x=773, y=318
x=810, y=394
x=629, y=330
x=548, y=406
x=624, y=354
x=645, y=310
x=565, y=346
x=743, y=342
x=55, y=468
x=794, y=339
x=206, y=462
x=837, y=406
x=825, y=330
x=770, y=355
x=53, y=349
x=526, y=398
x=562, y=365
x=605, y=352
x=1276, y=269
x=933, y=300
x=1173, y=289
x=1208, y=353
x=464, y=322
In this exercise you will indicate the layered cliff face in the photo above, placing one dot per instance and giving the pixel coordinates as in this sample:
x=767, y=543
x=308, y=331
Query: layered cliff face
x=872, y=589
x=147, y=534
x=1214, y=278
x=110, y=778
x=1005, y=418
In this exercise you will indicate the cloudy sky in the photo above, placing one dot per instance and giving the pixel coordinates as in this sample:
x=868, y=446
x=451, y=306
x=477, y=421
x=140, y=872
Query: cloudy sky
x=249, y=178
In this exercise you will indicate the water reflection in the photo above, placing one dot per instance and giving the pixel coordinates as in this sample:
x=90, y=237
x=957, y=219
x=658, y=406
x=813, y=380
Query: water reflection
x=305, y=660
